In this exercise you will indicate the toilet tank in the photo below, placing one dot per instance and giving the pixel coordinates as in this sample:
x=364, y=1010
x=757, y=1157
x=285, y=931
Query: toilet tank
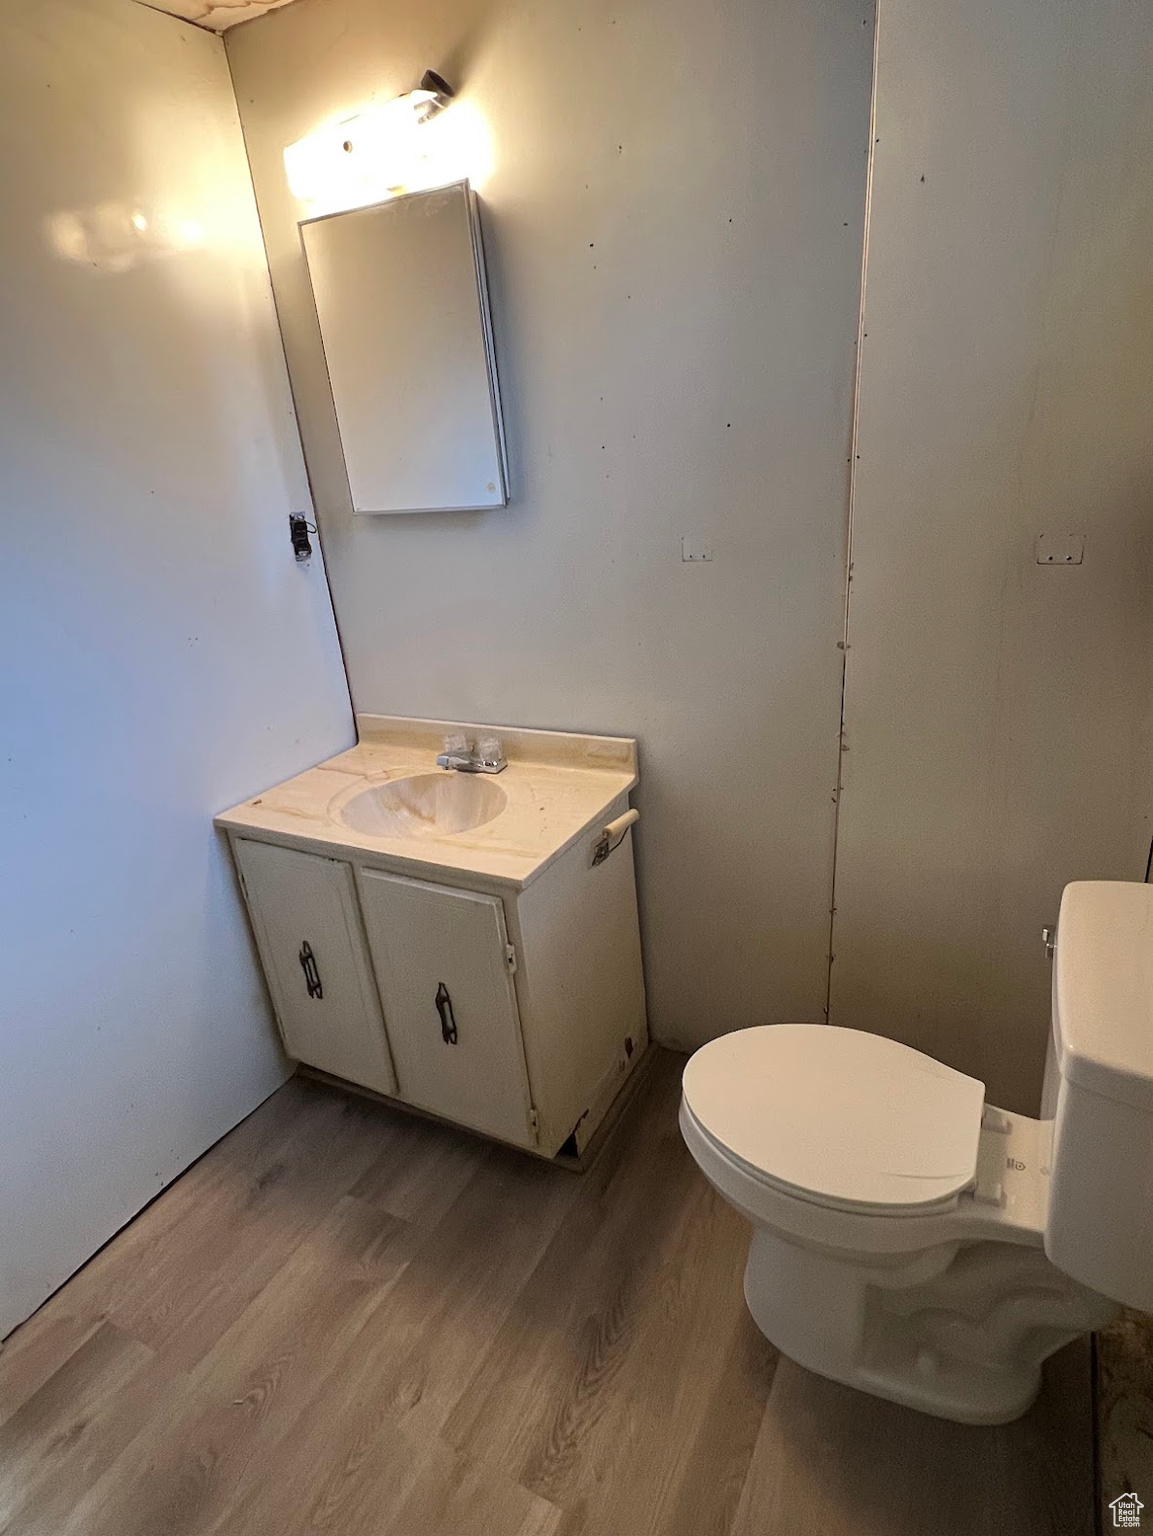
x=1099, y=1088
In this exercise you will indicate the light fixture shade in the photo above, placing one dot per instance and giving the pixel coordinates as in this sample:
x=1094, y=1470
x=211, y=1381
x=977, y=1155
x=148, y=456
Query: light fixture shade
x=374, y=150
x=405, y=145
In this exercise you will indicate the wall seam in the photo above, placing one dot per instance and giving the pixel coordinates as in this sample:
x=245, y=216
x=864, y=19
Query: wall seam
x=288, y=376
x=850, y=514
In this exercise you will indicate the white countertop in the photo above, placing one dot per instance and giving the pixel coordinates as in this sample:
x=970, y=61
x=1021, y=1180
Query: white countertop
x=558, y=786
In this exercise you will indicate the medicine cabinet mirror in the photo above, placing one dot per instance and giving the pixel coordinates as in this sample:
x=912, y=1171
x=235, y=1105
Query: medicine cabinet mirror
x=402, y=302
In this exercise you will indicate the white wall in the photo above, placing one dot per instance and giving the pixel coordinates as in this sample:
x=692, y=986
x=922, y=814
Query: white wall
x=998, y=712
x=673, y=231
x=163, y=655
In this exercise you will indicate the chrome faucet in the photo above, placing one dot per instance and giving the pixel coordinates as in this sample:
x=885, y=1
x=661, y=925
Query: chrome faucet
x=486, y=756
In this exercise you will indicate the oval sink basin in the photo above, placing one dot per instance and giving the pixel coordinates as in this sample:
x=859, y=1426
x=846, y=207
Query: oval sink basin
x=427, y=805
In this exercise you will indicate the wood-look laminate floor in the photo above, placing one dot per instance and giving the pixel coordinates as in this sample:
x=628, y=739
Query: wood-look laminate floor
x=346, y=1321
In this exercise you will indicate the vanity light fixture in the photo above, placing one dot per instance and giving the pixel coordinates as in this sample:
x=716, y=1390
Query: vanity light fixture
x=383, y=150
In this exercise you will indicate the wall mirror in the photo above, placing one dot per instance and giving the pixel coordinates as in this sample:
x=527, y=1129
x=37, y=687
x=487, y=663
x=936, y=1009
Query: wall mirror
x=402, y=302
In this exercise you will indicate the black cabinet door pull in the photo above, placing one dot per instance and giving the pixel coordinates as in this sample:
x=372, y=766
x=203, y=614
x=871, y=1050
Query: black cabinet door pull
x=447, y=1017
x=311, y=974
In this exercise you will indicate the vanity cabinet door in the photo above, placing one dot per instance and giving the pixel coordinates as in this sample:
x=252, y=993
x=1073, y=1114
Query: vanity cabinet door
x=444, y=971
x=308, y=931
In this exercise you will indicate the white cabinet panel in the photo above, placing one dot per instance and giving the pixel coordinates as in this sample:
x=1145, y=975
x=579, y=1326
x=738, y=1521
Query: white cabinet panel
x=307, y=926
x=442, y=966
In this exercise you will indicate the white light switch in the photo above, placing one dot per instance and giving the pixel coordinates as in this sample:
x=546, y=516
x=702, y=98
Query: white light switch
x=694, y=548
x=1060, y=548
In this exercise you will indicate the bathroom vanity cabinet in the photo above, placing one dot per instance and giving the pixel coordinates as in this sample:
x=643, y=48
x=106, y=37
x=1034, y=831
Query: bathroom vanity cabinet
x=509, y=1001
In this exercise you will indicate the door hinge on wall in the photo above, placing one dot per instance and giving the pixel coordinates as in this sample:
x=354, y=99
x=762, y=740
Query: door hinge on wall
x=510, y=957
x=534, y=1122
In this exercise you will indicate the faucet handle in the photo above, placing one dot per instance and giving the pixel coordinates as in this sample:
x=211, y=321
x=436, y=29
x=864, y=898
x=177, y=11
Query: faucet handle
x=456, y=743
x=489, y=752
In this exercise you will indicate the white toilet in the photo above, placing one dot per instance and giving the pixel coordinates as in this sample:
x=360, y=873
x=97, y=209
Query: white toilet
x=909, y=1239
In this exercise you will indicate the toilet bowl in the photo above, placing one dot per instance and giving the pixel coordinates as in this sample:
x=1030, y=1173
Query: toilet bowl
x=913, y=1241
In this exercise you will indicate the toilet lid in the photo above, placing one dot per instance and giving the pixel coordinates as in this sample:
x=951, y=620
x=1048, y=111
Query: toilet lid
x=838, y=1116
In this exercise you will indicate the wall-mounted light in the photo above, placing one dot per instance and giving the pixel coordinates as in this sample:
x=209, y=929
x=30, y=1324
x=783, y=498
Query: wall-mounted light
x=403, y=145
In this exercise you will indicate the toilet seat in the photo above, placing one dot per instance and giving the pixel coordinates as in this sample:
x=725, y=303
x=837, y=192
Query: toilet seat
x=838, y=1117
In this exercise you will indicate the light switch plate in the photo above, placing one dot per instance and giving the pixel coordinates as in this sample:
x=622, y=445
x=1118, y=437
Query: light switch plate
x=1060, y=548
x=694, y=549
